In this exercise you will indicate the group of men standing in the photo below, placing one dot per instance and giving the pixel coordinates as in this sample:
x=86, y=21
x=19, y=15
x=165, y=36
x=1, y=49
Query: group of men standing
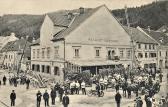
x=65, y=100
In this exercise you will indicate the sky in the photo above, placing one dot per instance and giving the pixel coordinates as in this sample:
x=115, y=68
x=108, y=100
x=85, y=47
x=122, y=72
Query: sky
x=44, y=6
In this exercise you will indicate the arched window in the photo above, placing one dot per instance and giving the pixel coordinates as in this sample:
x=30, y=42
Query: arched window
x=33, y=66
x=56, y=71
x=48, y=69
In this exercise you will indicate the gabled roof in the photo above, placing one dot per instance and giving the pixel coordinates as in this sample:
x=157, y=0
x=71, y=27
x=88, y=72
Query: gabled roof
x=160, y=37
x=163, y=29
x=76, y=21
x=139, y=36
x=15, y=45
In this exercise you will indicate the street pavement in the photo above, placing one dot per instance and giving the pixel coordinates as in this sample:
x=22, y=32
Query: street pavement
x=27, y=98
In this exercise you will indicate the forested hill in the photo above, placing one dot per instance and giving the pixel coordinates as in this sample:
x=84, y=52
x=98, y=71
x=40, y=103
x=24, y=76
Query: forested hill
x=154, y=15
x=21, y=25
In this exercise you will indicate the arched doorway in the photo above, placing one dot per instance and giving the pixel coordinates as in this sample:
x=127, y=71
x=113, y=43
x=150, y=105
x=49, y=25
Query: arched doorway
x=56, y=71
x=33, y=66
x=48, y=69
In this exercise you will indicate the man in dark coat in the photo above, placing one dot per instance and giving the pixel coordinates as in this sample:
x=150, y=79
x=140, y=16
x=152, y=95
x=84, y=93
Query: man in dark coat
x=124, y=87
x=27, y=83
x=148, y=101
x=65, y=100
x=53, y=96
x=39, y=95
x=98, y=89
x=117, y=87
x=61, y=92
x=13, y=98
x=4, y=80
x=46, y=98
x=118, y=99
x=129, y=91
x=139, y=102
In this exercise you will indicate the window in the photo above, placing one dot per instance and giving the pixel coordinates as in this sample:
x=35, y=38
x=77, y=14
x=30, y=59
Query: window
x=56, y=71
x=140, y=55
x=34, y=53
x=48, y=69
x=152, y=55
x=38, y=53
x=121, y=53
x=48, y=52
x=56, y=50
x=128, y=54
x=145, y=46
x=153, y=46
x=166, y=53
x=149, y=46
x=76, y=52
x=43, y=52
x=33, y=66
x=42, y=68
x=139, y=46
x=146, y=55
x=160, y=53
x=97, y=52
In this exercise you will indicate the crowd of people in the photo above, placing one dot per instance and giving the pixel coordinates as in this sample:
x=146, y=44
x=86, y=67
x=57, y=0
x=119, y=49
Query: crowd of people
x=139, y=82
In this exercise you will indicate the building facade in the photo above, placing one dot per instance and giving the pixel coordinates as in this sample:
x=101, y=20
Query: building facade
x=13, y=51
x=162, y=50
x=3, y=41
x=85, y=39
x=145, y=48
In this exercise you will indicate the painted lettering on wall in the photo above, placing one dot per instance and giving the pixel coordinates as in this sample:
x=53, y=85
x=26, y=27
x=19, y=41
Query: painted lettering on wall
x=101, y=40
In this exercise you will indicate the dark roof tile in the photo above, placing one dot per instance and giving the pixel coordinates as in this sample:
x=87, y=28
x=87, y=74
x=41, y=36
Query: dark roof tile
x=139, y=36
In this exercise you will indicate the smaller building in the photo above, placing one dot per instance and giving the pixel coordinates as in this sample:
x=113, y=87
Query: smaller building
x=162, y=39
x=13, y=51
x=145, y=48
x=3, y=41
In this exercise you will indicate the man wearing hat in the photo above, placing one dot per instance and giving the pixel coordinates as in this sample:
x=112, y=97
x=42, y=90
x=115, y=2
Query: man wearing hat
x=13, y=98
x=65, y=100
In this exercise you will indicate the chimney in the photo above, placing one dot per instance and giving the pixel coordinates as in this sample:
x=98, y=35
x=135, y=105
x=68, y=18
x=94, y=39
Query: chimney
x=149, y=29
x=81, y=10
x=70, y=16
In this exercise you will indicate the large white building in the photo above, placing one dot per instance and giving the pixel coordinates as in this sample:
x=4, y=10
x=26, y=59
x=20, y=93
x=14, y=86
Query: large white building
x=78, y=40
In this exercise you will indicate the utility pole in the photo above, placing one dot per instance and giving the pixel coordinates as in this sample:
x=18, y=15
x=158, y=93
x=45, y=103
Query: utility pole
x=132, y=42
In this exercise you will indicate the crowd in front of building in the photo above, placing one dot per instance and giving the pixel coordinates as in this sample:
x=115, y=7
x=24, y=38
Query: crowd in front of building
x=77, y=43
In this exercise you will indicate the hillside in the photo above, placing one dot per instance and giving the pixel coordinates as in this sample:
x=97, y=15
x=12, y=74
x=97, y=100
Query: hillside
x=154, y=15
x=22, y=25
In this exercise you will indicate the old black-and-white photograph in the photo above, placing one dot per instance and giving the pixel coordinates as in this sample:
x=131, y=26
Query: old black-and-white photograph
x=83, y=53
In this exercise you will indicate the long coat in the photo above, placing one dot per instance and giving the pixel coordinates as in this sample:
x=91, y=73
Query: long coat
x=118, y=98
x=12, y=96
x=65, y=100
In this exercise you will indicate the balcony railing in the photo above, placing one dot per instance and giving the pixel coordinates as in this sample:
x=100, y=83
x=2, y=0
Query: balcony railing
x=116, y=58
